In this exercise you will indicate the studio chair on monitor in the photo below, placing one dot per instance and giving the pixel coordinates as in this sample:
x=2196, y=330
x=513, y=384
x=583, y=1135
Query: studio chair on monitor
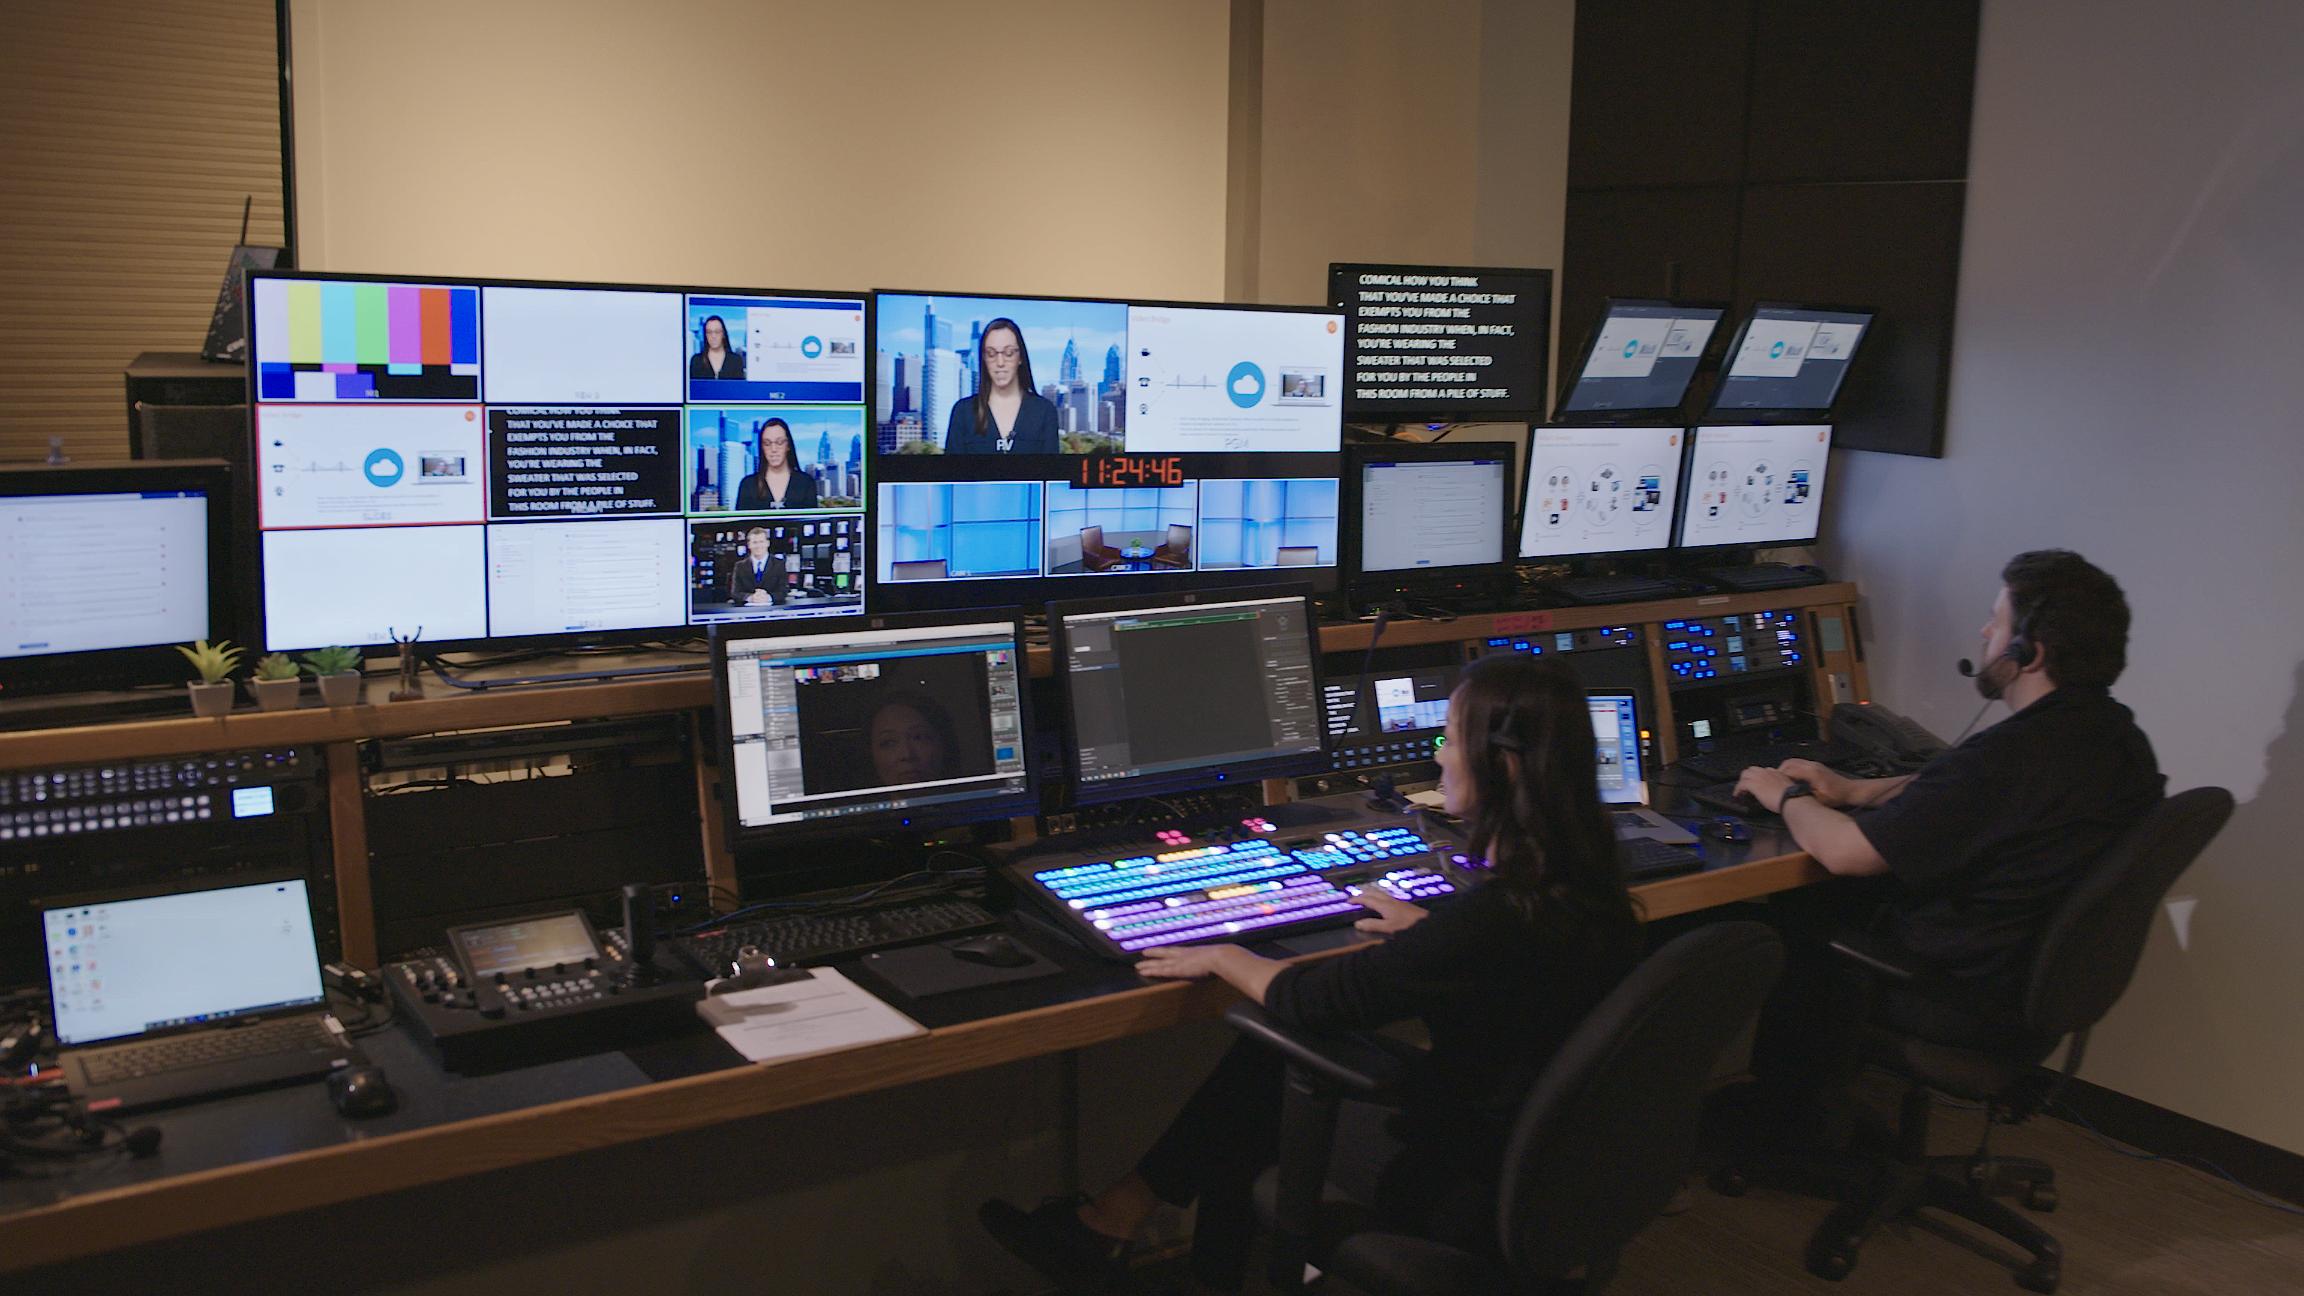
x=1177, y=552
x=2086, y=956
x=1095, y=555
x=1603, y=1138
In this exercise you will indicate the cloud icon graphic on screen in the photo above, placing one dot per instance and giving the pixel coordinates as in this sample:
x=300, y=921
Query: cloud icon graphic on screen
x=1631, y=348
x=1245, y=384
x=1776, y=352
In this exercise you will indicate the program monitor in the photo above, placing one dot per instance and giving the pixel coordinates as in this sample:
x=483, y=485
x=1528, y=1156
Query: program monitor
x=1789, y=361
x=1641, y=357
x=1754, y=486
x=1599, y=490
x=1165, y=695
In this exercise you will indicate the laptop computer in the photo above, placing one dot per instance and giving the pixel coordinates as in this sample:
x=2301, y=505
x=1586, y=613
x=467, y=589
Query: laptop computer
x=1616, y=728
x=166, y=996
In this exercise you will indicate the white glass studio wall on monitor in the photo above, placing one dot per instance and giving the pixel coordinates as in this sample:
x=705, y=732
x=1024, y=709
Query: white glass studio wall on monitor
x=1755, y=485
x=1596, y=490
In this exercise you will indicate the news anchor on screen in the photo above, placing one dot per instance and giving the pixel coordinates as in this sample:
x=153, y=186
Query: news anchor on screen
x=717, y=359
x=1005, y=416
x=778, y=482
x=757, y=576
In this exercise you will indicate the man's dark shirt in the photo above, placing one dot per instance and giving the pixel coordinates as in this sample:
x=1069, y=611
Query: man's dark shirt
x=1986, y=839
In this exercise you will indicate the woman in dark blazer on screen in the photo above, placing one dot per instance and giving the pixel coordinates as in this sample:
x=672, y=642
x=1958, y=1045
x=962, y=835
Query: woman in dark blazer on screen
x=778, y=482
x=1005, y=416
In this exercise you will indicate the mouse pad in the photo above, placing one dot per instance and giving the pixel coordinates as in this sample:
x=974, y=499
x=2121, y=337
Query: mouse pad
x=923, y=970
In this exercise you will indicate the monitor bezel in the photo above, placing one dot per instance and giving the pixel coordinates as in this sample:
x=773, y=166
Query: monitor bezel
x=1204, y=777
x=1687, y=479
x=1565, y=417
x=952, y=593
x=1000, y=806
x=111, y=668
x=1353, y=519
x=1527, y=483
x=1539, y=394
x=685, y=629
x=1715, y=415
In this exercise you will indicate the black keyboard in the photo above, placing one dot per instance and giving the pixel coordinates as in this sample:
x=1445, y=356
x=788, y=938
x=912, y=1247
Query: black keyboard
x=1614, y=589
x=818, y=938
x=1646, y=859
x=1729, y=764
x=1722, y=797
x=126, y=1062
x=1762, y=576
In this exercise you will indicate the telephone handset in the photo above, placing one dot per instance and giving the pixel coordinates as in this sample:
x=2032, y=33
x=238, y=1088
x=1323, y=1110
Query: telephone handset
x=1884, y=733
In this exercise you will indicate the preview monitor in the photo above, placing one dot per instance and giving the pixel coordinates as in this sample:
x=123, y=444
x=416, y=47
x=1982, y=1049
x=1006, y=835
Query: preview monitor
x=1025, y=444
x=1185, y=692
x=1456, y=344
x=904, y=722
x=1640, y=357
x=1751, y=486
x=107, y=566
x=1429, y=509
x=1599, y=490
x=1789, y=360
x=497, y=459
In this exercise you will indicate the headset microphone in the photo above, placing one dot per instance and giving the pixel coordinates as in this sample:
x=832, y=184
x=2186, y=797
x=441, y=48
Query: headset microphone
x=1967, y=669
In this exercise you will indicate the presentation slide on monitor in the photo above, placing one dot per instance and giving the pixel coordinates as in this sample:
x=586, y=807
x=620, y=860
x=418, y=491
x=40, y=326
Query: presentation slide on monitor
x=90, y=572
x=1233, y=380
x=584, y=577
x=577, y=461
x=358, y=586
x=368, y=465
x=581, y=346
x=1599, y=490
x=1750, y=485
x=1447, y=514
x=775, y=349
x=337, y=340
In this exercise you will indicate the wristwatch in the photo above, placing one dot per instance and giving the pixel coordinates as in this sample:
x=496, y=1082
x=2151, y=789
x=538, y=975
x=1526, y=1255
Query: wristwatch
x=1797, y=788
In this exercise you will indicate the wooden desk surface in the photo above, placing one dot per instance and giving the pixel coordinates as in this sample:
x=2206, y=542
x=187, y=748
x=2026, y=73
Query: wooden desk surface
x=115, y=1218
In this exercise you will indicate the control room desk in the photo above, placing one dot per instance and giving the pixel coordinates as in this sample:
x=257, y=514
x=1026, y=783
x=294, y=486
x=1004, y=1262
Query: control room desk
x=267, y=1155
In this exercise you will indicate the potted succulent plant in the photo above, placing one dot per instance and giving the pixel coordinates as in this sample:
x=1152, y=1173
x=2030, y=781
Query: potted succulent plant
x=276, y=683
x=212, y=692
x=338, y=670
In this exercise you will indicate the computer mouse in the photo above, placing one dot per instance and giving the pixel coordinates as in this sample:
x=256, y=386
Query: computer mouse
x=994, y=950
x=362, y=1091
x=1728, y=830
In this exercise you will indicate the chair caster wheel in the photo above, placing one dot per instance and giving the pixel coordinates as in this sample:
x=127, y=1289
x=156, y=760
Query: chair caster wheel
x=2040, y=1277
x=1830, y=1260
x=2040, y=1197
x=1728, y=1181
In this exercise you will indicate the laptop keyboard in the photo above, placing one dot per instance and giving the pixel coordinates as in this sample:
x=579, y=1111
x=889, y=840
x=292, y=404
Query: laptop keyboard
x=1626, y=819
x=201, y=1048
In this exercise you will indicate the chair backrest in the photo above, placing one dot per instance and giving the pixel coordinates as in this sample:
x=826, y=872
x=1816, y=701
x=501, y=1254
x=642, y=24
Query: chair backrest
x=1606, y=1134
x=1179, y=536
x=1091, y=538
x=918, y=569
x=1299, y=555
x=2090, y=948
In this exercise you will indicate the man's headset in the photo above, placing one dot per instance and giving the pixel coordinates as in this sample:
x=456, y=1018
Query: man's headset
x=2021, y=649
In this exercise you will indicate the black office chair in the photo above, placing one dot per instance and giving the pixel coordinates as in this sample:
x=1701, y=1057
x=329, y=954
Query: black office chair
x=2085, y=959
x=1603, y=1139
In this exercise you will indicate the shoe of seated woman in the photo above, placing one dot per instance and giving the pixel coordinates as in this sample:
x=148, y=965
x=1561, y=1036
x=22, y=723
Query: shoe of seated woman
x=1051, y=1239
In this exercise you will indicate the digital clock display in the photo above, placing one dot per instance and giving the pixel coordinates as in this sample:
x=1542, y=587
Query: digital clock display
x=1130, y=470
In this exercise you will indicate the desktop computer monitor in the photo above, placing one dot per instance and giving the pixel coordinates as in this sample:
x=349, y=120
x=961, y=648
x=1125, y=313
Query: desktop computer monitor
x=1750, y=487
x=1142, y=446
x=1599, y=490
x=1640, y=358
x=1171, y=694
x=880, y=723
x=1416, y=513
x=1789, y=361
x=108, y=565
x=485, y=460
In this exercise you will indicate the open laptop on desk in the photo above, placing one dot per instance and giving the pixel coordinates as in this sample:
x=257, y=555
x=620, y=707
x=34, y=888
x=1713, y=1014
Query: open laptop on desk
x=1616, y=730
x=168, y=996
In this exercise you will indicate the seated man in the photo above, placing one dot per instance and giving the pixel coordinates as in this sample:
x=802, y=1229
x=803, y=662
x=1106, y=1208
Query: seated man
x=1967, y=859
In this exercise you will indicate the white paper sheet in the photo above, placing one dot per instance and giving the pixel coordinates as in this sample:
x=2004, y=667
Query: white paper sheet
x=823, y=1014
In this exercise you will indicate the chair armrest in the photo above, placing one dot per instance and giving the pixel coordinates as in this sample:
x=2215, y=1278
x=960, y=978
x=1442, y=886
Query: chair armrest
x=1879, y=956
x=1358, y=1065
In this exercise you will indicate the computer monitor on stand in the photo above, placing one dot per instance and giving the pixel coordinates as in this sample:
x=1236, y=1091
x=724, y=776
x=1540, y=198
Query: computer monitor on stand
x=1427, y=523
x=1638, y=361
x=1600, y=500
x=1752, y=487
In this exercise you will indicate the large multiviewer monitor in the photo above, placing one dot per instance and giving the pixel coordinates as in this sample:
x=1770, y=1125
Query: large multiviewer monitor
x=1418, y=512
x=497, y=459
x=1163, y=695
x=1599, y=490
x=1027, y=448
x=875, y=723
x=1751, y=486
x=106, y=566
x=1789, y=361
x=1640, y=358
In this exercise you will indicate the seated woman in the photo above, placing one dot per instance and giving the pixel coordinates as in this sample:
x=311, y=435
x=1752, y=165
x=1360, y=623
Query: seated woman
x=1499, y=977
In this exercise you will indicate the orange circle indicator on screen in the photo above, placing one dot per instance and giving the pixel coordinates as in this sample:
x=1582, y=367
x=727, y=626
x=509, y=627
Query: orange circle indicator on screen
x=1331, y=326
x=469, y=416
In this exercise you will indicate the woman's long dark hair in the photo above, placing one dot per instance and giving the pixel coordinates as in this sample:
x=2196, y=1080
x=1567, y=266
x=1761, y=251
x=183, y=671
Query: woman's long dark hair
x=984, y=376
x=1545, y=832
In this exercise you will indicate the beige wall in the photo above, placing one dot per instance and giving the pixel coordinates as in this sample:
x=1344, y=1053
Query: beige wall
x=1071, y=146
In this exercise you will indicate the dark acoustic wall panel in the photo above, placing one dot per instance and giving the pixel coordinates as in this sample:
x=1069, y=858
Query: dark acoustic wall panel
x=1865, y=91
x=1630, y=242
x=1658, y=88
x=1894, y=247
